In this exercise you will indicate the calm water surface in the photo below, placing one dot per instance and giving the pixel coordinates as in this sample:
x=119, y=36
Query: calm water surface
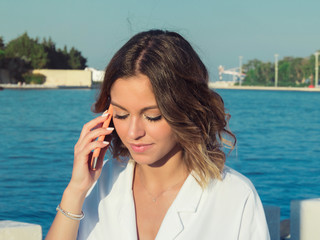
x=278, y=146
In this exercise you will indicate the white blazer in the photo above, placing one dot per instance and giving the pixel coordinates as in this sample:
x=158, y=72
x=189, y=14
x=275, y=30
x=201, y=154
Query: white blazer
x=226, y=210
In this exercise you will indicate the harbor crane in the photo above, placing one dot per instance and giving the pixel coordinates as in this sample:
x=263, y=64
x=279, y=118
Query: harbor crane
x=236, y=73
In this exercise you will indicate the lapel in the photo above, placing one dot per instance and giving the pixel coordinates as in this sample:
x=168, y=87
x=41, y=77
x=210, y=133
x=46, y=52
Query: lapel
x=127, y=215
x=182, y=210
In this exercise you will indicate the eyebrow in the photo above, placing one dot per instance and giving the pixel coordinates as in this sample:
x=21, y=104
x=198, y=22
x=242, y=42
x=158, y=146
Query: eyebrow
x=142, y=110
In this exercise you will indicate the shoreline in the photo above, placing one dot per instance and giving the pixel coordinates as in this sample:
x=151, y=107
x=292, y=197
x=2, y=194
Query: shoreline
x=298, y=89
x=212, y=85
x=39, y=87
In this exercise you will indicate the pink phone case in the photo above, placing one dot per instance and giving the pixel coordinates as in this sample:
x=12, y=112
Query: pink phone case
x=96, y=152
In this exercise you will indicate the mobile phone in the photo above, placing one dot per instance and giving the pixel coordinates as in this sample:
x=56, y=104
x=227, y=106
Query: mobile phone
x=96, y=151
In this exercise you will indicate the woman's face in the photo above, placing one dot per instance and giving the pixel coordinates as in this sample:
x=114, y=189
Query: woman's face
x=139, y=123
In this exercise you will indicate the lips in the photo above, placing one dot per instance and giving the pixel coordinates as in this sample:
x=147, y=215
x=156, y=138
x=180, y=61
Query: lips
x=140, y=148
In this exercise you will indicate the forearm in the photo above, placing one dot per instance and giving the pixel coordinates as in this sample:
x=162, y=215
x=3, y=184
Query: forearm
x=62, y=226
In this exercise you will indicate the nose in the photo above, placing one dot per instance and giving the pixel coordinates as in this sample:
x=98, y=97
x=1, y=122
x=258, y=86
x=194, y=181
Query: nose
x=136, y=128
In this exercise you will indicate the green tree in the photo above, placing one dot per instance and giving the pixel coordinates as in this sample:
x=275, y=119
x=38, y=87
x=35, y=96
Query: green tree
x=309, y=69
x=1, y=43
x=258, y=73
x=62, y=58
x=2, y=54
x=57, y=59
x=50, y=49
x=24, y=53
x=76, y=60
x=294, y=72
x=27, y=49
x=17, y=67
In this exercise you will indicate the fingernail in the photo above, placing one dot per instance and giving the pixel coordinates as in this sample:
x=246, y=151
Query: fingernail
x=105, y=114
x=105, y=142
x=110, y=128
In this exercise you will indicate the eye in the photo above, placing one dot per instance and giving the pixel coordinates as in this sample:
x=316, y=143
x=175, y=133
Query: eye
x=153, y=119
x=121, y=116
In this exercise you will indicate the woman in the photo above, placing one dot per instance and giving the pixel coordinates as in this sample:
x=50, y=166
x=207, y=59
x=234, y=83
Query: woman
x=169, y=180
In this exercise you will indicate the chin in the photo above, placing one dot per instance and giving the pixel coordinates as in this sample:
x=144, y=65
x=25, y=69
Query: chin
x=143, y=159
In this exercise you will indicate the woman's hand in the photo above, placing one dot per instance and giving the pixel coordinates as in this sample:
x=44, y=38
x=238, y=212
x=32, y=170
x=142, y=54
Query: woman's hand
x=82, y=176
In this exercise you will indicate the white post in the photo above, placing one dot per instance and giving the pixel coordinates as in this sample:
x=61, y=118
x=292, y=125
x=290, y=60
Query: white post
x=305, y=219
x=19, y=230
x=240, y=69
x=316, y=78
x=276, y=70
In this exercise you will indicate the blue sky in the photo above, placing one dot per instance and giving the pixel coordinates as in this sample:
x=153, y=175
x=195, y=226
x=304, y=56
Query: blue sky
x=220, y=31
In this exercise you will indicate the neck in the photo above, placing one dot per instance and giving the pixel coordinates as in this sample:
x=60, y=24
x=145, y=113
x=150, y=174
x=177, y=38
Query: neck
x=159, y=177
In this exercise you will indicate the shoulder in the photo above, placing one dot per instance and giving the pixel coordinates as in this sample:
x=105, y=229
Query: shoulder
x=233, y=187
x=235, y=203
x=234, y=179
x=245, y=197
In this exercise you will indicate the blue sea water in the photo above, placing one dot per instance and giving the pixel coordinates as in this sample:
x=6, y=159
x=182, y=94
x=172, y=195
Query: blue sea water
x=278, y=146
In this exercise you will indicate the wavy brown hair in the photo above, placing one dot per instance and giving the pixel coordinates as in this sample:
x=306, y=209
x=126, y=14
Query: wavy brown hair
x=179, y=80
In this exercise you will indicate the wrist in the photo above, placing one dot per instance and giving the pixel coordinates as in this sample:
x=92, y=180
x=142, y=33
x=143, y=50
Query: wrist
x=74, y=192
x=72, y=216
x=73, y=199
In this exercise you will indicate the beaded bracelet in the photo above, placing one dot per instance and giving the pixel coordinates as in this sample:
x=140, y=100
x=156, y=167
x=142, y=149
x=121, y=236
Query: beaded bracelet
x=70, y=215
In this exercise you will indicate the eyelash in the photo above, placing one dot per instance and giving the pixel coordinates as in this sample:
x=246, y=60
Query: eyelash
x=120, y=116
x=151, y=119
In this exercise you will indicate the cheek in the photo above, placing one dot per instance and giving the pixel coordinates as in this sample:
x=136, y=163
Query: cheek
x=162, y=132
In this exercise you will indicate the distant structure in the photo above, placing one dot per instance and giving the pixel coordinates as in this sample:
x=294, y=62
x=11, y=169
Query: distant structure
x=58, y=78
x=236, y=73
x=65, y=78
x=96, y=75
x=236, y=77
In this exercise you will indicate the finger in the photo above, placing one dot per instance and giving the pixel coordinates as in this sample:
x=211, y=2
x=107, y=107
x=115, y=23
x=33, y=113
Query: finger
x=92, y=124
x=98, y=126
x=93, y=135
x=84, y=154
